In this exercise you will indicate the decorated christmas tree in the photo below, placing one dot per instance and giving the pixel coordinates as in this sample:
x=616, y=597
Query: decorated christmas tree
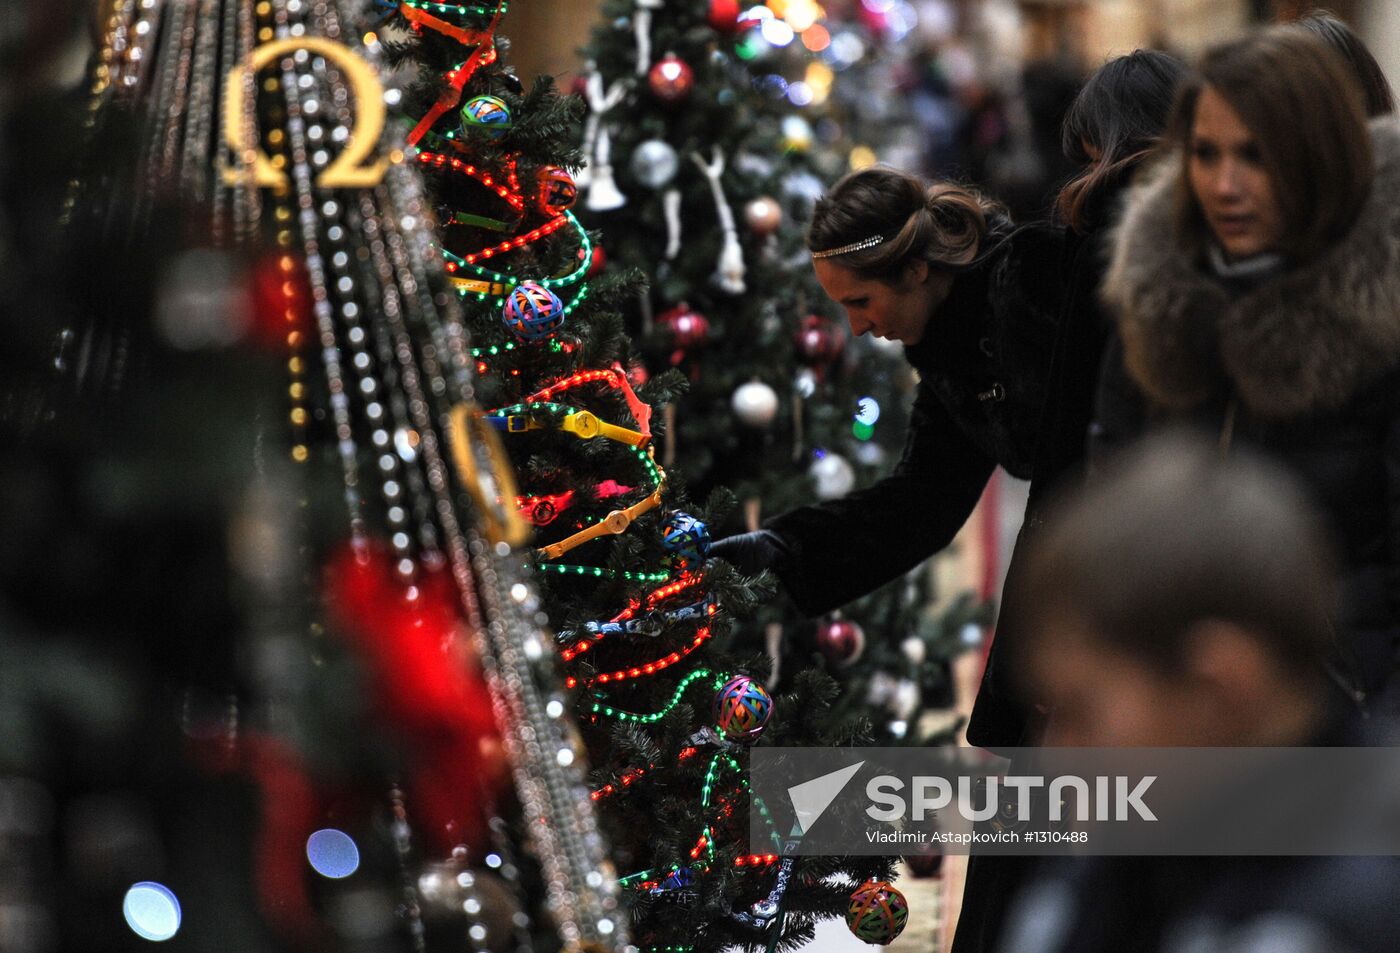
x=702, y=166
x=646, y=623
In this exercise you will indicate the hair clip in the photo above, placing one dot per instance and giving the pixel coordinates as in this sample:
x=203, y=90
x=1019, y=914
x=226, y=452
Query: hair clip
x=861, y=245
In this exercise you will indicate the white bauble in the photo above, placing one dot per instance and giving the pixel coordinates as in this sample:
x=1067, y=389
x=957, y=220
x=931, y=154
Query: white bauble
x=915, y=649
x=755, y=403
x=833, y=476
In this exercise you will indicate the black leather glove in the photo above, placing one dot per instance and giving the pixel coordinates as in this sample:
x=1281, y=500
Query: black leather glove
x=751, y=553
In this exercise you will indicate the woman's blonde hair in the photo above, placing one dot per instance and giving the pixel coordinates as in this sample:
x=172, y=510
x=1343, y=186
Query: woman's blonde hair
x=942, y=223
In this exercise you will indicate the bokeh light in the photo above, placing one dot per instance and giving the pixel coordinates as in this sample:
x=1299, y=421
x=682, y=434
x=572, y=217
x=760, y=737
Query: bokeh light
x=332, y=853
x=151, y=911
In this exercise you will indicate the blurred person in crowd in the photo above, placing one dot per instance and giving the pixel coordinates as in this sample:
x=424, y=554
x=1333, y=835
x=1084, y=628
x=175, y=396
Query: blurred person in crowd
x=1256, y=284
x=1380, y=101
x=1184, y=601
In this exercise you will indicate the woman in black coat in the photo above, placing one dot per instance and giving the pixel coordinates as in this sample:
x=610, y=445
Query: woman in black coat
x=1004, y=328
x=1256, y=283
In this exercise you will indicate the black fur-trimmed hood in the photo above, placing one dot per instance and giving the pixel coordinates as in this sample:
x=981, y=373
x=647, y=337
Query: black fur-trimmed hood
x=1305, y=341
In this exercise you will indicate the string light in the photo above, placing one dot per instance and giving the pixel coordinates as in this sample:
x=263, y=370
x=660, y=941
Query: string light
x=601, y=573
x=716, y=680
x=649, y=668
x=438, y=160
x=510, y=244
x=478, y=9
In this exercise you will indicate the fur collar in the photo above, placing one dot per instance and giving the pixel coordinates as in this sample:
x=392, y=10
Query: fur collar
x=1306, y=341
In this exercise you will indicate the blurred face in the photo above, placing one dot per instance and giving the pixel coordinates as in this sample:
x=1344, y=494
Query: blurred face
x=1099, y=697
x=1228, y=179
x=898, y=312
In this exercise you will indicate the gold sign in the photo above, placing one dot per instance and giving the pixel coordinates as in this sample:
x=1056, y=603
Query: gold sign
x=351, y=168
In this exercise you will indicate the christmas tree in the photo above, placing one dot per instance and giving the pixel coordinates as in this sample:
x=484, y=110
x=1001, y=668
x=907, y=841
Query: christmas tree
x=645, y=622
x=702, y=168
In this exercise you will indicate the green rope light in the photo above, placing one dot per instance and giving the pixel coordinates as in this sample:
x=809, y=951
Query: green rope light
x=462, y=9
x=563, y=281
x=649, y=719
x=601, y=573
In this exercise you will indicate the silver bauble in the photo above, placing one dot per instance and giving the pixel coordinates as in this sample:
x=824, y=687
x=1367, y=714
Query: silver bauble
x=833, y=476
x=655, y=163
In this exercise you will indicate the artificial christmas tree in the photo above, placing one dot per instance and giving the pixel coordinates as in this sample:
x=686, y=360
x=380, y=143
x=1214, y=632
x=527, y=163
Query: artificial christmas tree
x=644, y=617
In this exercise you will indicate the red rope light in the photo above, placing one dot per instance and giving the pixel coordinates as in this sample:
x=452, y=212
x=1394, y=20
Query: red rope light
x=650, y=668
x=438, y=160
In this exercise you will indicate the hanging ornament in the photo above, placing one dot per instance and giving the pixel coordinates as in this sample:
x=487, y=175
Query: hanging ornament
x=840, y=641
x=637, y=375
x=603, y=193
x=878, y=912
x=671, y=209
x=742, y=708
x=654, y=163
x=597, y=146
x=486, y=114
x=532, y=312
x=687, y=328
x=904, y=703
x=557, y=191
x=599, y=262
x=723, y=15
x=926, y=865
x=833, y=476
x=819, y=341
x=671, y=79
x=641, y=24
x=914, y=649
x=686, y=538
x=755, y=404
x=729, y=270
x=763, y=216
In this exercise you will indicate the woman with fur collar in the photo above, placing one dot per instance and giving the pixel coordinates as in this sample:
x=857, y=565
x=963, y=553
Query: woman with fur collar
x=1255, y=277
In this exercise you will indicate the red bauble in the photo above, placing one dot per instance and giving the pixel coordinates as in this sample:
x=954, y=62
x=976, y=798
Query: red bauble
x=926, y=864
x=599, y=262
x=687, y=329
x=724, y=15
x=819, y=341
x=671, y=79
x=637, y=375
x=840, y=641
x=557, y=191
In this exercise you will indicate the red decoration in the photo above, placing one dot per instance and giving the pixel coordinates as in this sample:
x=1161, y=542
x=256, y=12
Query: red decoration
x=637, y=375
x=599, y=262
x=671, y=79
x=557, y=190
x=927, y=864
x=687, y=328
x=764, y=216
x=427, y=690
x=840, y=641
x=819, y=341
x=724, y=15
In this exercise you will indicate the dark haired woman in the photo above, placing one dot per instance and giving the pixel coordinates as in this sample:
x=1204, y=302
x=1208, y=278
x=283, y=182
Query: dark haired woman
x=1256, y=282
x=1379, y=100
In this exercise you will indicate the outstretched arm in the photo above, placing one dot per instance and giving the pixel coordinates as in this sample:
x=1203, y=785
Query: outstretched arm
x=833, y=552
